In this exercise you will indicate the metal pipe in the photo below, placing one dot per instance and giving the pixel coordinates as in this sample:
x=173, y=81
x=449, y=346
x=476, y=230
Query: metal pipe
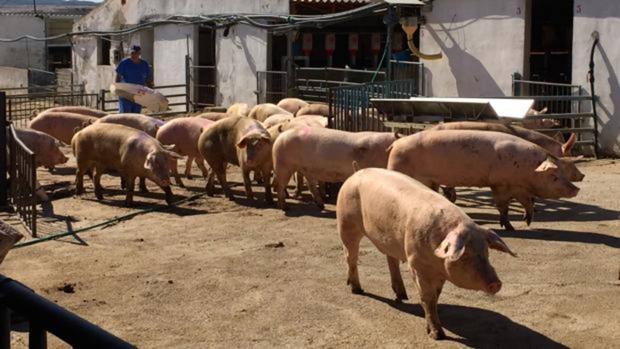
x=595, y=35
x=3, y=145
x=67, y=326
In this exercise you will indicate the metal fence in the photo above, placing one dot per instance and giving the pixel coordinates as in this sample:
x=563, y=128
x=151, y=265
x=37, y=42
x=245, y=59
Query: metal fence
x=350, y=109
x=22, y=172
x=569, y=104
x=22, y=108
x=109, y=102
x=44, y=316
x=271, y=86
x=404, y=70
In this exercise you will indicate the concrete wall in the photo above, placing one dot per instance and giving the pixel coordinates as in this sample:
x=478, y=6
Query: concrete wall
x=13, y=77
x=604, y=17
x=23, y=53
x=482, y=42
x=238, y=56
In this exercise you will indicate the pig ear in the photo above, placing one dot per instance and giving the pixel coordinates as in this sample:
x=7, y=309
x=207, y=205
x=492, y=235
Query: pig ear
x=148, y=163
x=168, y=146
x=243, y=142
x=174, y=155
x=543, y=110
x=452, y=247
x=546, y=166
x=568, y=146
x=496, y=243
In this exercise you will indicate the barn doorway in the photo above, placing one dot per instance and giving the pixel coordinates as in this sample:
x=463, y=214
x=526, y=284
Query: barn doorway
x=550, y=37
x=205, y=68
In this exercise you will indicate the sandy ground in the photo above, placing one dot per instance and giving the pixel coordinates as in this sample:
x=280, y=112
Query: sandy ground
x=215, y=273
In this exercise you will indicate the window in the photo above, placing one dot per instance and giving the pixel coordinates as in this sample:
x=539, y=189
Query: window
x=103, y=48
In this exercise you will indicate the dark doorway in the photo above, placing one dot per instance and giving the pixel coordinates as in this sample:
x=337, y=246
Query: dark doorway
x=551, y=40
x=205, y=72
x=59, y=57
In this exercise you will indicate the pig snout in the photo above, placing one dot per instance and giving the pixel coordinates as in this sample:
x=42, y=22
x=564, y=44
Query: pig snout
x=494, y=287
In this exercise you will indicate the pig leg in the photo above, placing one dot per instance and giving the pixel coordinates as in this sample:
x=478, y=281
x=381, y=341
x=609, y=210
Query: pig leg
x=528, y=205
x=502, y=199
x=131, y=182
x=314, y=189
x=300, y=185
x=201, y=165
x=429, y=291
x=351, y=236
x=282, y=178
x=397, y=280
x=322, y=190
x=188, y=167
x=143, y=188
x=97, y=182
x=266, y=174
x=79, y=181
x=220, y=172
x=175, y=173
x=248, y=183
x=169, y=195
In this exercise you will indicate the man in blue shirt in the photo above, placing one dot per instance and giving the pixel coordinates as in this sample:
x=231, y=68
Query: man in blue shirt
x=133, y=70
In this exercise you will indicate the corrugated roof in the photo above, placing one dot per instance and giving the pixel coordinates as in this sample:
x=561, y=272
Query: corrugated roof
x=47, y=10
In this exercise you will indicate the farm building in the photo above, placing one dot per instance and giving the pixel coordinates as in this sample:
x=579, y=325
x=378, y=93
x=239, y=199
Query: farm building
x=484, y=47
x=43, y=21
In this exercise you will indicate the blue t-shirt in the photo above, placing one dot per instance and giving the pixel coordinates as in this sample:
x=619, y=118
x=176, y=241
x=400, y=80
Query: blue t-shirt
x=134, y=73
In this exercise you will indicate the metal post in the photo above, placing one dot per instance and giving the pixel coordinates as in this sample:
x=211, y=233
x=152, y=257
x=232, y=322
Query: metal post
x=290, y=85
x=5, y=327
x=390, y=20
x=102, y=99
x=33, y=194
x=188, y=81
x=3, y=144
x=37, y=337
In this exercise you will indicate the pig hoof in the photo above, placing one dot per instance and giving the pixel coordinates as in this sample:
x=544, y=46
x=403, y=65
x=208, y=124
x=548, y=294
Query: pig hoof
x=189, y=176
x=357, y=290
x=99, y=196
x=528, y=218
x=320, y=205
x=401, y=297
x=436, y=334
x=144, y=190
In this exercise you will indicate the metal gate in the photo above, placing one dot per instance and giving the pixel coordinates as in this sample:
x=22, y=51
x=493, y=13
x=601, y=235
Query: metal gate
x=271, y=86
x=201, y=85
x=23, y=107
x=350, y=109
x=569, y=104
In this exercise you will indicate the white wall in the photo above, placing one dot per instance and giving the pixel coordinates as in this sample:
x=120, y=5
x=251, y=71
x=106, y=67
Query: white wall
x=23, y=53
x=482, y=42
x=13, y=77
x=604, y=17
x=238, y=56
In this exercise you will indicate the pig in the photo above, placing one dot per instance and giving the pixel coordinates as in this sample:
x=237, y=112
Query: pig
x=60, y=125
x=325, y=155
x=45, y=147
x=79, y=110
x=148, y=124
x=262, y=111
x=314, y=109
x=277, y=119
x=531, y=123
x=238, y=109
x=511, y=166
x=310, y=120
x=240, y=141
x=9, y=236
x=131, y=152
x=145, y=123
x=213, y=116
x=183, y=133
x=554, y=147
x=292, y=105
x=410, y=223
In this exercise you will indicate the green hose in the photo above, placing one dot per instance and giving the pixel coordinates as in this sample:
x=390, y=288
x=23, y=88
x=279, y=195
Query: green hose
x=116, y=219
x=380, y=64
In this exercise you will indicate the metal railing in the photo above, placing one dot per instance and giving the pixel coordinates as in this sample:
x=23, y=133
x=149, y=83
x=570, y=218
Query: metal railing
x=404, y=70
x=44, y=316
x=350, y=108
x=201, y=85
x=22, y=108
x=564, y=103
x=109, y=101
x=313, y=84
x=271, y=86
x=22, y=172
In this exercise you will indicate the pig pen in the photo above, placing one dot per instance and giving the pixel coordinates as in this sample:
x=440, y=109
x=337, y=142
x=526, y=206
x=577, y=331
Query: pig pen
x=214, y=273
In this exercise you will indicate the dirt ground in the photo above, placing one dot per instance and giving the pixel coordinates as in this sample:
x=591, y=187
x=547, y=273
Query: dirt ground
x=214, y=273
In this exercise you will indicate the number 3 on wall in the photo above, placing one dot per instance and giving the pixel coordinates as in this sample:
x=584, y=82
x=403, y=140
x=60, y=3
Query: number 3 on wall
x=518, y=10
x=578, y=9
